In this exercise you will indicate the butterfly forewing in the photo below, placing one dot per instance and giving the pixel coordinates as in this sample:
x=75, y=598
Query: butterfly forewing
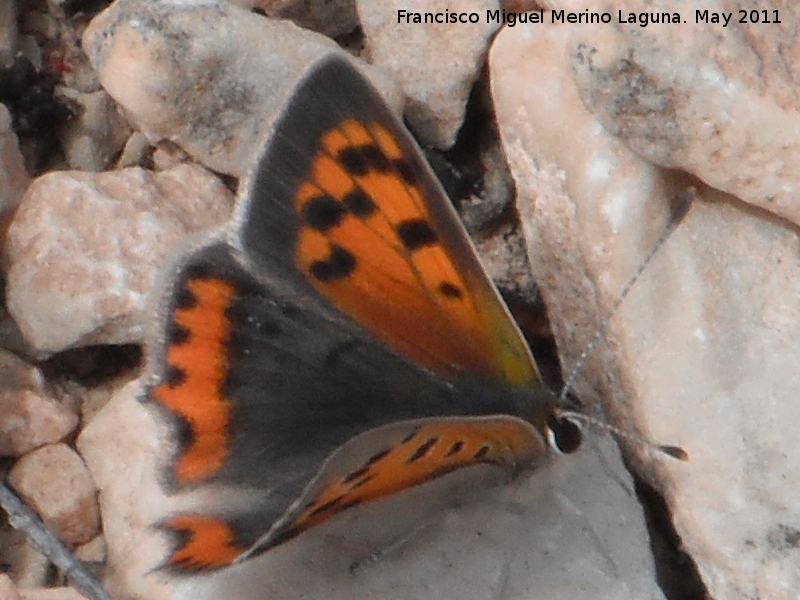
x=342, y=189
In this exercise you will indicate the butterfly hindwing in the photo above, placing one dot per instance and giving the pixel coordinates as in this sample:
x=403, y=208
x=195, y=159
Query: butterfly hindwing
x=262, y=389
x=395, y=457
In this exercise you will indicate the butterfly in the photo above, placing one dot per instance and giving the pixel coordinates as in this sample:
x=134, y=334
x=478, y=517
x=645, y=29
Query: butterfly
x=339, y=343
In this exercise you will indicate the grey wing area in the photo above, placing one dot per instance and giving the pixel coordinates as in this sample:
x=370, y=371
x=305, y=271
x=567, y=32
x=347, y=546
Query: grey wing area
x=329, y=93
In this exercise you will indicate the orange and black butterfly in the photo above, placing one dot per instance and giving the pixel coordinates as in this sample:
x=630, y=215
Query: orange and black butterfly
x=341, y=343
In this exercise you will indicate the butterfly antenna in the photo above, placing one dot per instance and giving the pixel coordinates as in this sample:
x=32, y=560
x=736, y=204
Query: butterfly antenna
x=673, y=451
x=680, y=208
x=24, y=519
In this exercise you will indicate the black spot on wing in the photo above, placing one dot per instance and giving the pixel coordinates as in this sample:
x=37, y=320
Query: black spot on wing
x=422, y=450
x=323, y=212
x=454, y=449
x=450, y=290
x=359, y=203
x=405, y=170
x=355, y=474
x=482, y=452
x=339, y=264
x=377, y=457
x=175, y=377
x=184, y=434
x=177, y=335
x=185, y=299
x=360, y=160
x=416, y=234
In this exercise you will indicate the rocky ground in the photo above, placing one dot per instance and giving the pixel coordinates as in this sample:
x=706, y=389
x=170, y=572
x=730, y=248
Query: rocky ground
x=126, y=128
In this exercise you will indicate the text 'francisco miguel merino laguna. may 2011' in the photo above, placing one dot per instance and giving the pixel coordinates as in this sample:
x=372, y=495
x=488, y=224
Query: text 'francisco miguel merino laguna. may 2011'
x=587, y=17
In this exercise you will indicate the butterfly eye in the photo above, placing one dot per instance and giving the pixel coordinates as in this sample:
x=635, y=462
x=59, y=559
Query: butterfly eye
x=564, y=434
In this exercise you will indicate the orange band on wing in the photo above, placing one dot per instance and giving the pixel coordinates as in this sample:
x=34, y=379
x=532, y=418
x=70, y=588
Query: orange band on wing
x=209, y=543
x=201, y=365
x=386, y=142
x=366, y=242
x=433, y=450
